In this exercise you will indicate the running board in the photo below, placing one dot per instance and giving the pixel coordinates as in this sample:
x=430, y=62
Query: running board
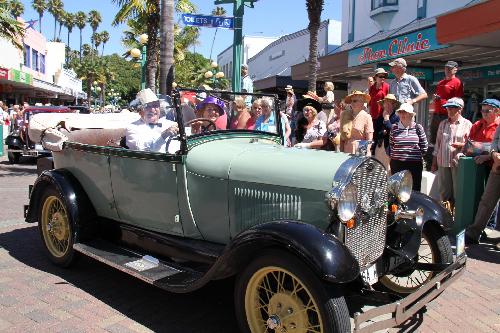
x=166, y=275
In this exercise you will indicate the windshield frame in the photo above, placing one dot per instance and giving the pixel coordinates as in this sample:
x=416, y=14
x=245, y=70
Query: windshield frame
x=180, y=122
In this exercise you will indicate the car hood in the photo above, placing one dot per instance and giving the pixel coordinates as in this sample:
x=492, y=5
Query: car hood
x=265, y=163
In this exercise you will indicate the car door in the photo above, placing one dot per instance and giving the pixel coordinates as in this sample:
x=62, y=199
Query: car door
x=145, y=189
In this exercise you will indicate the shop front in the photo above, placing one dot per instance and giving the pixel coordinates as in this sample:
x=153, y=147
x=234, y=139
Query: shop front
x=15, y=86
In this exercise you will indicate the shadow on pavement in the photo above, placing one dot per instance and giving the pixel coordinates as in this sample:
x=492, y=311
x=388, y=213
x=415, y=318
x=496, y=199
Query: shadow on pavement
x=485, y=251
x=209, y=309
x=25, y=167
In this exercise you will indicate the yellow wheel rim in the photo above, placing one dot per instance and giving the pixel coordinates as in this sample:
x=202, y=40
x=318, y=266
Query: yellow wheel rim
x=412, y=282
x=277, y=301
x=55, y=226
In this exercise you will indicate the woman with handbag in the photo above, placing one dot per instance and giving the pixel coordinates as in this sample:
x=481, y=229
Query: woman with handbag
x=408, y=144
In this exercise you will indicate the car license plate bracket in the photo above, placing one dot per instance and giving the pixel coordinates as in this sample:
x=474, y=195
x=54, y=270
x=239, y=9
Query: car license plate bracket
x=370, y=275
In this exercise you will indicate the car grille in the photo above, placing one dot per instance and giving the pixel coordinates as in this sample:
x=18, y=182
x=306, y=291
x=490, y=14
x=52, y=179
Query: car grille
x=367, y=240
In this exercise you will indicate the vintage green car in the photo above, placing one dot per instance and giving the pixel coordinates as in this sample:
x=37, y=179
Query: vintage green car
x=301, y=230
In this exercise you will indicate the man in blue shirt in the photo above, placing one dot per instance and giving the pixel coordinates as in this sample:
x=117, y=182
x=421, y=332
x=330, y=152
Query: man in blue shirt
x=246, y=84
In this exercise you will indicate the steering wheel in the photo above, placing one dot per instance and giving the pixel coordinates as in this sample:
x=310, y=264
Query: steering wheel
x=210, y=122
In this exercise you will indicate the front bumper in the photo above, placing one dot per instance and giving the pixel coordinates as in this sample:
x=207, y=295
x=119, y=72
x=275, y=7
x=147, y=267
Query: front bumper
x=405, y=308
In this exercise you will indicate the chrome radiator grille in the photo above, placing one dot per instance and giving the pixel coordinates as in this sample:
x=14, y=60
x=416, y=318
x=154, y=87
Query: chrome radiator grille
x=367, y=240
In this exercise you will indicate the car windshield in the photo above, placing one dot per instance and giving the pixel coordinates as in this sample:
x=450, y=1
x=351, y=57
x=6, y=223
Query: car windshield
x=207, y=111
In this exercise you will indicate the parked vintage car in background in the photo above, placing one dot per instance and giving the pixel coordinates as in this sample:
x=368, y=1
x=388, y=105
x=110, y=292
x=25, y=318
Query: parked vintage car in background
x=18, y=141
x=302, y=230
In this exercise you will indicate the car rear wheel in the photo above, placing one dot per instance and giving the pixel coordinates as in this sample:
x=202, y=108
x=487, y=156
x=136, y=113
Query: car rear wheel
x=278, y=293
x=435, y=248
x=56, y=228
x=13, y=157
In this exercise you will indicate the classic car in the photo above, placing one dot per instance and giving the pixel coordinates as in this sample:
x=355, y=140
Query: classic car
x=18, y=141
x=302, y=231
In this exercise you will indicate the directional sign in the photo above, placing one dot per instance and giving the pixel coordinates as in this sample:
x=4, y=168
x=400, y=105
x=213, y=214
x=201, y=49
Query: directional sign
x=222, y=22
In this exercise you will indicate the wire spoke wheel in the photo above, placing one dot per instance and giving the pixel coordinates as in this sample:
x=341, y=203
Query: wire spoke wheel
x=55, y=227
x=278, y=301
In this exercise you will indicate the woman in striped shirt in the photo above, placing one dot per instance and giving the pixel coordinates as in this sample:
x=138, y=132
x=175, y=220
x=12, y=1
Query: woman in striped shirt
x=408, y=144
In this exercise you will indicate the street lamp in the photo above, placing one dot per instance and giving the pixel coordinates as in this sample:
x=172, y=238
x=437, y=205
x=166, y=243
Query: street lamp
x=96, y=89
x=213, y=74
x=140, y=57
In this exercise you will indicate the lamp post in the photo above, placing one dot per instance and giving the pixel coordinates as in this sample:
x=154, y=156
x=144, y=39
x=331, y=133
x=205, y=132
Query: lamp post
x=96, y=89
x=213, y=74
x=140, y=57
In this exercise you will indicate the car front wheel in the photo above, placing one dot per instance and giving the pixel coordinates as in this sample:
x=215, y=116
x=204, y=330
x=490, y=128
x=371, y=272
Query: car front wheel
x=278, y=293
x=13, y=157
x=56, y=228
x=435, y=248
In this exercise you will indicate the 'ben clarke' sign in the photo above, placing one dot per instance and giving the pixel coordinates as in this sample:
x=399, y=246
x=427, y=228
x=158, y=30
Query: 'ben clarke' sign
x=222, y=22
x=401, y=46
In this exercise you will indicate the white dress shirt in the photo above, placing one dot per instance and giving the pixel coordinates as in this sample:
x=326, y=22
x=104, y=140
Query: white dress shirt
x=147, y=137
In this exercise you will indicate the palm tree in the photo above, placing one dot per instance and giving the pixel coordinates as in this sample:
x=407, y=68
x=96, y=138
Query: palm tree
x=40, y=6
x=81, y=22
x=55, y=7
x=166, y=46
x=104, y=40
x=16, y=8
x=63, y=17
x=94, y=20
x=314, y=9
x=96, y=39
x=10, y=28
x=70, y=23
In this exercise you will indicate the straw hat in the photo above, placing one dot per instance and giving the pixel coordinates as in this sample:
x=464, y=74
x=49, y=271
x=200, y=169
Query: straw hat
x=390, y=97
x=311, y=95
x=289, y=88
x=357, y=93
x=381, y=71
x=146, y=96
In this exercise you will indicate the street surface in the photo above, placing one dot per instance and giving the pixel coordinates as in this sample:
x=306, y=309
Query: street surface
x=36, y=296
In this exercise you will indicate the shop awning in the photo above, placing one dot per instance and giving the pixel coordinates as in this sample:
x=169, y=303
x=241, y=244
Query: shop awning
x=278, y=82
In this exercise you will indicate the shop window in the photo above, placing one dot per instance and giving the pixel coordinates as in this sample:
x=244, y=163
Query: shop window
x=27, y=55
x=383, y=3
x=42, y=63
x=34, y=61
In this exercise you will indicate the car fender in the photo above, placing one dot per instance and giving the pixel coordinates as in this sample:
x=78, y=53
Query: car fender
x=433, y=213
x=327, y=256
x=78, y=205
x=14, y=141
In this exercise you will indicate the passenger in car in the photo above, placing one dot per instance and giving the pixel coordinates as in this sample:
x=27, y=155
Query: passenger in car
x=210, y=108
x=150, y=133
x=241, y=114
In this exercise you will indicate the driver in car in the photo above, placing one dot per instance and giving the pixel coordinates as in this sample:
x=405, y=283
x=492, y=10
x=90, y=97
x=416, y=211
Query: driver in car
x=210, y=115
x=150, y=133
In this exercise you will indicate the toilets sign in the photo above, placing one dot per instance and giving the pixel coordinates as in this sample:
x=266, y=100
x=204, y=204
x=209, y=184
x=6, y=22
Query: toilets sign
x=396, y=47
x=222, y=22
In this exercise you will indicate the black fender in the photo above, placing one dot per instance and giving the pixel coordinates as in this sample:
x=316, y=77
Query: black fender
x=434, y=214
x=14, y=141
x=328, y=257
x=78, y=205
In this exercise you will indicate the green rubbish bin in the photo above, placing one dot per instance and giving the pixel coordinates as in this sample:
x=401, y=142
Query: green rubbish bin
x=470, y=186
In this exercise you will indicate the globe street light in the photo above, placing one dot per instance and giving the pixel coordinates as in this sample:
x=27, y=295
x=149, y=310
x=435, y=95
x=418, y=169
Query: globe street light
x=140, y=57
x=213, y=74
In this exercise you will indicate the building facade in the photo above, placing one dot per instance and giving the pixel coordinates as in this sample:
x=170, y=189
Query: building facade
x=377, y=31
x=29, y=75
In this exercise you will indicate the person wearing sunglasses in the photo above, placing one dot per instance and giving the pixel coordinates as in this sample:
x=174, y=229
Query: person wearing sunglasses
x=355, y=123
x=490, y=109
x=451, y=137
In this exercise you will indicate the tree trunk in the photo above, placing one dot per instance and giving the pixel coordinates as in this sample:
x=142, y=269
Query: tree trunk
x=89, y=91
x=55, y=28
x=80, y=45
x=40, y=23
x=167, y=46
x=313, y=55
x=152, y=49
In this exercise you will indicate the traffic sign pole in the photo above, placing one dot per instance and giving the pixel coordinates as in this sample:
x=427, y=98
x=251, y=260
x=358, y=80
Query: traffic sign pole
x=238, y=12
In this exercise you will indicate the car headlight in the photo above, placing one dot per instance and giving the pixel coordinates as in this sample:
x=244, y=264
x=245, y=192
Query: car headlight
x=347, y=203
x=343, y=199
x=400, y=185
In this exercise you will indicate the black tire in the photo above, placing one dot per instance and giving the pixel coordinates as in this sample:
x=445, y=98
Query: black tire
x=13, y=157
x=57, y=229
x=442, y=253
x=327, y=314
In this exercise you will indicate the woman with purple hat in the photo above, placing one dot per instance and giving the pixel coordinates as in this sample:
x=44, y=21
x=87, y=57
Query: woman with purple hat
x=211, y=108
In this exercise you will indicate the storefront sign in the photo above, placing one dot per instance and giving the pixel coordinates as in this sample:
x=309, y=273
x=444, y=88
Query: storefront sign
x=421, y=73
x=478, y=73
x=18, y=76
x=4, y=73
x=396, y=47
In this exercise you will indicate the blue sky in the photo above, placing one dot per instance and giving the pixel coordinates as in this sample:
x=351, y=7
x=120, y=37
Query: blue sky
x=268, y=18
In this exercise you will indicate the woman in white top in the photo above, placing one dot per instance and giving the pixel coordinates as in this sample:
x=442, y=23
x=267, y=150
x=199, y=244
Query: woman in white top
x=314, y=136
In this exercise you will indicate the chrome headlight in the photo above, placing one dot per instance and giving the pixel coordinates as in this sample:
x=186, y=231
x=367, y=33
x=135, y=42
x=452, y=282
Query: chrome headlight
x=344, y=199
x=400, y=185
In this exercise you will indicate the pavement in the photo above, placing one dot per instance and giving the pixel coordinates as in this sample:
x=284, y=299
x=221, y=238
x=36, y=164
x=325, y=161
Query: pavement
x=36, y=296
